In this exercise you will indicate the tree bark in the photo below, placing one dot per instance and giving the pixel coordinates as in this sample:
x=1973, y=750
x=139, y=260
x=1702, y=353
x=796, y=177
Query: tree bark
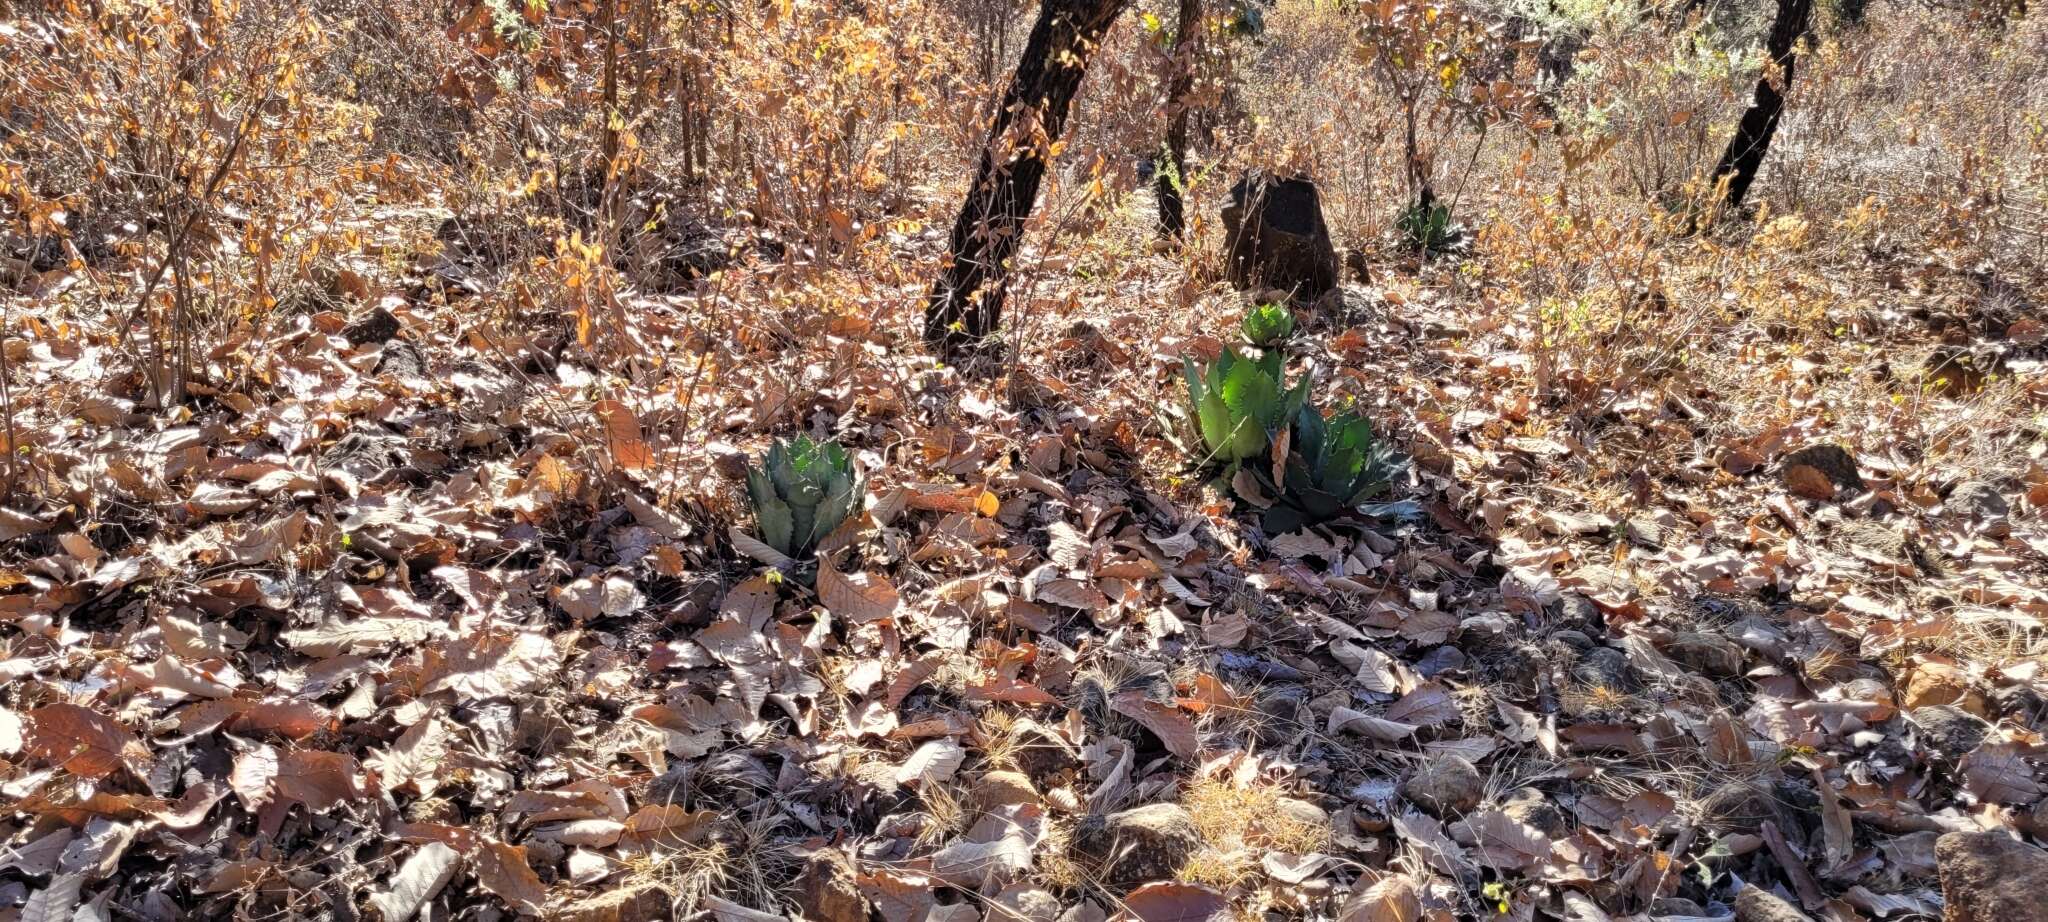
x=1172, y=175
x=1745, y=154
x=966, y=302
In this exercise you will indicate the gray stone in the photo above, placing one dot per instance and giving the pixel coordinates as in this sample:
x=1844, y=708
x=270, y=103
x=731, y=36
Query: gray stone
x=1605, y=667
x=1755, y=904
x=1991, y=877
x=1140, y=844
x=1711, y=654
x=1531, y=808
x=1445, y=785
x=1949, y=730
x=1980, y=499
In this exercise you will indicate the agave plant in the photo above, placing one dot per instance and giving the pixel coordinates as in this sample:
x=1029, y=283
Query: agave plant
x=1332, y=467
x=1239, y=403
x=1268, y=325
x=1426, y=226
x=802, y=491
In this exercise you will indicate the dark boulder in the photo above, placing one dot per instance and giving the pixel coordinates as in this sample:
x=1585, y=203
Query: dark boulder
x=1274, y=237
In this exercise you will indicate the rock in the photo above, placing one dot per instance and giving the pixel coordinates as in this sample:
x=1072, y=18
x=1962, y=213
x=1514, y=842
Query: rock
x=829, y=889
x=1949, y=730
x=1676, y=906
x=1140, y=844
x=1712, y=654
x=1760, y=635
x=1958, y=371
x=639, y=901
x=1755, y=904
x=1275, y=237
x=1041, y=753
x=1978, y=499
x=1024, y=903
x=1744, y=806
x=1991, y=877
x=377, y=326
x=1605, y=667
x=401, y=359
x=1576, y=641
x=1001, y=789
x=1531, y=808
x=1444, y=786
x=1941, y=683
x=1280, y=720
x=1832, y=461
x=2020, y=703
x=1646, y=531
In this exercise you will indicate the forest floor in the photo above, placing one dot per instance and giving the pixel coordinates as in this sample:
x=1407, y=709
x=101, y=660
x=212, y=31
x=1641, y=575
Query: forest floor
x=400, y=613
x=391, y=558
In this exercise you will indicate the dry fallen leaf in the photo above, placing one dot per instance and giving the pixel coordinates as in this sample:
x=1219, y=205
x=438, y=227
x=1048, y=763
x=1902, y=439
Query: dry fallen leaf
x=932, y=763
x=1169, y=901
x=84, y=742
x=858, y=598
x=1175, y=731
x=416, y=882
x=1389, y=899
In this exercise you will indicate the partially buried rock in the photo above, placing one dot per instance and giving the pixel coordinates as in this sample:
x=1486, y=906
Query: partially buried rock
x=1712, y=654
x=1949, y=730
x=1755, y=904
x=1140, y=844
x=641, y=901
x=377, y=326
x=1991, y=877
x=1835, y=465
x=1941, y=683
x=1605, y=667
x=1040, y=753
x=1529, y=807
x=1744, y=806
x=829, y=890
x=1445, y=785
x=1002, y=789
x=1979, y=499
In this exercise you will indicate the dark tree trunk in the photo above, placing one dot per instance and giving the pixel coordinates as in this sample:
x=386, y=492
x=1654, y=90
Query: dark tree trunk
x=967, y=300
x=1745, y=154
x=1180, y=84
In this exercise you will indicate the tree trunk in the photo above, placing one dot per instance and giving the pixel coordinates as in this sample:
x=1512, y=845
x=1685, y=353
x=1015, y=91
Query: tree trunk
x=1173, y=174
x=967, y=300
x=1745, y=154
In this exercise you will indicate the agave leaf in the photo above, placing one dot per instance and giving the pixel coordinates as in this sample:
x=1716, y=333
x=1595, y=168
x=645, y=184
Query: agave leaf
x=1280, y=518
x=1214, y=416
x=778, y=525
x=1267, y=325
x=833, y=512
